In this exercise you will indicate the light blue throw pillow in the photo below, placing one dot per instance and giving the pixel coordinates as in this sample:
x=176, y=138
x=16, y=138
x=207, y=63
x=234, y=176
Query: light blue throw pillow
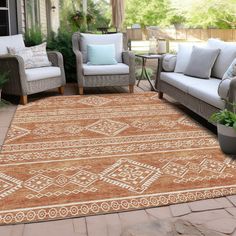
x=101, y=54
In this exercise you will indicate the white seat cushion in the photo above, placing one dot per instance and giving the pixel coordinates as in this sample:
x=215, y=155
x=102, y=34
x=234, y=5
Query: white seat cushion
x=203, y=89
x=178, y=80
x=15, y=41
x=207, y=91
x=116, y=39
x=117, y=69
x=42, y=73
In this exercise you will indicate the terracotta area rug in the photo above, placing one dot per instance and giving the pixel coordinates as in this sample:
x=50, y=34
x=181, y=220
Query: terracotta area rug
x=85, y=155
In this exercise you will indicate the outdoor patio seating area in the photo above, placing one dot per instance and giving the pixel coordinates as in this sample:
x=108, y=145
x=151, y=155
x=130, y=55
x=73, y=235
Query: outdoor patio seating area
x=117, y=118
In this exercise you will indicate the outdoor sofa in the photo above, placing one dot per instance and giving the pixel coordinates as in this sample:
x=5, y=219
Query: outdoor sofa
x=198, y=94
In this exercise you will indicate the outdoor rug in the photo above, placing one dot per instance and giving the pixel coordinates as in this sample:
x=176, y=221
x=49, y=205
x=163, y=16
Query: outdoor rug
x=86, y=155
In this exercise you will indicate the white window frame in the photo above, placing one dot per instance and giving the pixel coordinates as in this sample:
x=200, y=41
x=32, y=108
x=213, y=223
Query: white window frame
x=7, y=8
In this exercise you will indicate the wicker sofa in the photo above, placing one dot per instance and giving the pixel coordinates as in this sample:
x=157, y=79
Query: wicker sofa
x=24, y=82
x=121, y=74
x=199, y=95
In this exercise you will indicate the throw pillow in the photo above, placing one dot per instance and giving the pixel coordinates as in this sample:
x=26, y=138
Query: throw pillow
x=101, y=54
x=225, y=58
x=201, y=62
x=183, y=56
x=25, y=53
x=223, y=89
x=33, y=57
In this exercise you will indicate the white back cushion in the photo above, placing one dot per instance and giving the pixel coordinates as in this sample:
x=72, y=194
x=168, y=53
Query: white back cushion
x=183, y=57
x=116, y=39
x=225, y=58
x=15, y=41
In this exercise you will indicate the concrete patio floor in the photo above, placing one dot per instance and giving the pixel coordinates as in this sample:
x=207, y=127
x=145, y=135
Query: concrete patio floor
x=217, y=214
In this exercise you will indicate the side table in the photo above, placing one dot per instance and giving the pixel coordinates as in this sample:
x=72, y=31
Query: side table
x=144, y=73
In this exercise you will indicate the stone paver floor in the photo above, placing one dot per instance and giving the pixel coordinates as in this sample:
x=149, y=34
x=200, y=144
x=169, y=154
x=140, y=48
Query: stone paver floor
x=218, y=214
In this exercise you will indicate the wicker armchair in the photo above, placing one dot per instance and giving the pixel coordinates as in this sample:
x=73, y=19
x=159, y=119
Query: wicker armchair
x=24, y=82
x=122, y=74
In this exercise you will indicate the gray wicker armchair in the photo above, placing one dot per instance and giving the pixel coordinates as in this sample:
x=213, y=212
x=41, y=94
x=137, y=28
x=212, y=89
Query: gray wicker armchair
x=24, y=82
x=122, y=74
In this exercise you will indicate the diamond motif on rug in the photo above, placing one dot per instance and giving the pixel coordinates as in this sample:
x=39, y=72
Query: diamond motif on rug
x=174, y=169
x=131, y=175
x=94, y=101
x=211, y=165
x=8, y=185
x=16, y=132
x=83, y=178
x=38, y=183
x=108, y=127
x=61, y=180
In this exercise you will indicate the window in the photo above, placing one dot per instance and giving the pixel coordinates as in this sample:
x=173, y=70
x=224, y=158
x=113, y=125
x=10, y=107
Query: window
x=4, y=18
x=32, y=13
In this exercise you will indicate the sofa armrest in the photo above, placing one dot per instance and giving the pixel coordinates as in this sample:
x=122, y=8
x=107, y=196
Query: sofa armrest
x=129, y=59
x=232, y=91
x=14, y=66
x=169, y=62
x=166, y=63
x=56, y=59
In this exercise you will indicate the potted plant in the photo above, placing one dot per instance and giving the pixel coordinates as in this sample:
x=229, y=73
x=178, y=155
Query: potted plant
x=226, y=128
x=3, y=79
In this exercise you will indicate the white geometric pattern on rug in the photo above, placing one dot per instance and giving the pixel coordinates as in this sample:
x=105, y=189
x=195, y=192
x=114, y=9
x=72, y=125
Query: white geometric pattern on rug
x=8, y=185
x=16, y=132
x=174, y=169
x=94, y=100
x=108, y=127
x=40, y=182
x=131, y=175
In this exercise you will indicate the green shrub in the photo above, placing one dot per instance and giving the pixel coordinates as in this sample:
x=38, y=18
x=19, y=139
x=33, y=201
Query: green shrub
x=33, y=37
x=62, y=42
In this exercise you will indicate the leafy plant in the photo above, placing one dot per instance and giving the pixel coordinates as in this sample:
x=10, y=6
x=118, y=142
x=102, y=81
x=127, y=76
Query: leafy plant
x=225, y=117
x=33, y=37
x=62, y=43
x=3, y=79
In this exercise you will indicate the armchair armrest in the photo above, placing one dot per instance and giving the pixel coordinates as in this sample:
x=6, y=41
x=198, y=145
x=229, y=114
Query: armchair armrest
x=14, y=65
x=79, y=67
x=129, y=59
x=56, y=59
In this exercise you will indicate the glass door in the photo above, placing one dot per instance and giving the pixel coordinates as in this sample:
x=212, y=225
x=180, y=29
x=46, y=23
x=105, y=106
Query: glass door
x=4, y=18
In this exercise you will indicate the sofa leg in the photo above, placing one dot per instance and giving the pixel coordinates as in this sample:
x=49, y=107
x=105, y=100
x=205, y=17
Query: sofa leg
x=23, y=100
x=81, y=90
x=131, y=88
x=160, y=95
x=61, y=90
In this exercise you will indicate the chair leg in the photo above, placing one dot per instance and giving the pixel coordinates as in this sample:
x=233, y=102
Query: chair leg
x=61, y=90
x=131, y=88
x=160, y=95
x=81, y=90
x=23, y=100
